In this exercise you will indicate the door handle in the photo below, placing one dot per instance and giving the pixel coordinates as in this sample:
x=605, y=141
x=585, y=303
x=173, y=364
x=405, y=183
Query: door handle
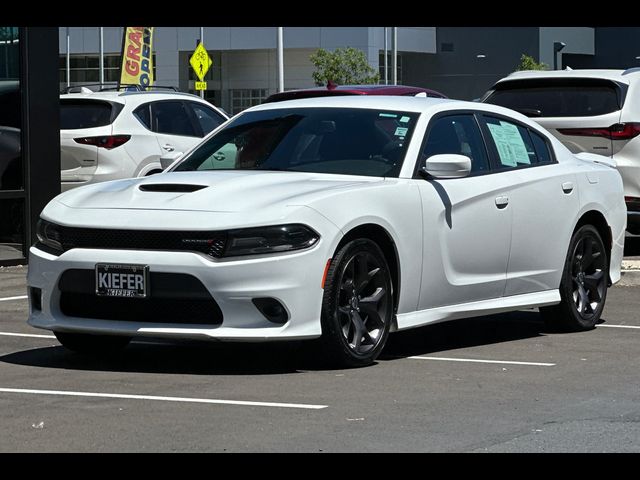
x=219, y=156
x=502, y=201
x=168, y=148
x=567, y=187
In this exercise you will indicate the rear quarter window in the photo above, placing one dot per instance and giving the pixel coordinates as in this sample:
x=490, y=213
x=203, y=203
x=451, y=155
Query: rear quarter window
x=559, y=97
x=76, y=114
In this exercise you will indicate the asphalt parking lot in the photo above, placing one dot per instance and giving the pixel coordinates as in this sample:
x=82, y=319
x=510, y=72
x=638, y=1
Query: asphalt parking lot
x=493, y=384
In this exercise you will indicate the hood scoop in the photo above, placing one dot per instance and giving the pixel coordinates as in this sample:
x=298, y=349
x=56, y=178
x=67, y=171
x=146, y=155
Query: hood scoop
x=171, y=187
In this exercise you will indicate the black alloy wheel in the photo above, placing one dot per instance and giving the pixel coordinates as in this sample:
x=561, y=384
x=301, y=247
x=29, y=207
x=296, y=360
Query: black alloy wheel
x=583, y=288
x=357, y=305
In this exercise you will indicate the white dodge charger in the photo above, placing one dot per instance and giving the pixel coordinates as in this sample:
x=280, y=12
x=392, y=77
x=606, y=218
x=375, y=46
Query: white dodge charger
x=341, y=219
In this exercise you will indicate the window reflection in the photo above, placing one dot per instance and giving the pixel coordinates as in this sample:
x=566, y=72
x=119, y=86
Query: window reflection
x=10, y=156
x=11, y=228
x=12, y=195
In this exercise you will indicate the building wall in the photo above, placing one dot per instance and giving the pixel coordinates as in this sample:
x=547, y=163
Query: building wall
x=578, y=40
x=480, y=56
x=615, y=47
x=248, y=55
x=461, y=73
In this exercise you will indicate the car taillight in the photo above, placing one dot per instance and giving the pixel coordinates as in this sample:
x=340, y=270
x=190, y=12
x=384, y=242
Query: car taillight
x=108, y=141
x=617, y=131
x=633, y=204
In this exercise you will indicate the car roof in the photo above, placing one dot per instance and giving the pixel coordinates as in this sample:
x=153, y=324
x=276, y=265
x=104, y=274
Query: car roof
x=624, y=76
x=341, y=90
x=391, y=102
x=130, y=96
x=394, y=103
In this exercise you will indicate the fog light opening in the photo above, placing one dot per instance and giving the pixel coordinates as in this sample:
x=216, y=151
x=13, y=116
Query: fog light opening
x=272, y=310
x=35, y=297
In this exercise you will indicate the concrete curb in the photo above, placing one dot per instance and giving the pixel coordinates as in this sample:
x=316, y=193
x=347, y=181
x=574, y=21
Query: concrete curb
x=630, y=273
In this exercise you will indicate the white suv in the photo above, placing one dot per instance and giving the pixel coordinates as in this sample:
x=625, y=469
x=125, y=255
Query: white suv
x=595, y=111
x=109, y=135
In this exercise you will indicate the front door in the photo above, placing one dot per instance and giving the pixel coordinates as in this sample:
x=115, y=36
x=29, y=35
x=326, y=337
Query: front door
x=176, y=129
x=467, y=221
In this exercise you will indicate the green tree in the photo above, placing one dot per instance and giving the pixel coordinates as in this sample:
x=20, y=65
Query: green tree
x=343, y=66
x=528, y=63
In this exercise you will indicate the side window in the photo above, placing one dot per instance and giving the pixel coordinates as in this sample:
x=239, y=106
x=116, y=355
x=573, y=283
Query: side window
x=173, y=118
x=208, y=118
x=542, y=148
x=143, y=113
x=458, y=134
x=513, y=143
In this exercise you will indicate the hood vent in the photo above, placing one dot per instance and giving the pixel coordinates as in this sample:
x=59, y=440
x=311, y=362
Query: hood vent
x=170, y=187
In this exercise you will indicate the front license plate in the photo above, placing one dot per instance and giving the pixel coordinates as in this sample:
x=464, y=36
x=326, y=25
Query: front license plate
x=114, y=280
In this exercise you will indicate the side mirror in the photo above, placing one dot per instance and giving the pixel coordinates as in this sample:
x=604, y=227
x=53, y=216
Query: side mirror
x=168, y=159
x=447, y=166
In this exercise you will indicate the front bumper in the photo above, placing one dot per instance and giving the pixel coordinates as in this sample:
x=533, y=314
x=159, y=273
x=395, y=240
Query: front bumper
x=293, y=279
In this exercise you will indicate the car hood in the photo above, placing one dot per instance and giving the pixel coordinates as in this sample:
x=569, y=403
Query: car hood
x=224, y=191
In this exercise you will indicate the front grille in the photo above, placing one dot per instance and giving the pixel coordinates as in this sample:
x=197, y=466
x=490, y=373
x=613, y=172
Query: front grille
x=173, y=298
x=210, y=243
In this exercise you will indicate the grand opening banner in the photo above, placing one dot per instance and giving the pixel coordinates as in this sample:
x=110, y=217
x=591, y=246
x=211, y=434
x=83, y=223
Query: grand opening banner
x=137, y=57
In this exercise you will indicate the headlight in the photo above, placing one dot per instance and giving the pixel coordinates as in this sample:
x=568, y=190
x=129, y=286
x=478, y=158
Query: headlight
x=49, y=235
x=279, y=238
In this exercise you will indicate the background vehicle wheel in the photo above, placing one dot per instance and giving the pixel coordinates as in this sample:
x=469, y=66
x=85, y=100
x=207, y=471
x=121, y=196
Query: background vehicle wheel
x=583, y=288
x=92, y=344
x=357, y=307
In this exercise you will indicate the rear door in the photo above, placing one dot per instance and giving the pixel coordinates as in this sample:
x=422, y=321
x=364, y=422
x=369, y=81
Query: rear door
x=177, y=129
x=81, y=119
x=542, y=196
x=581, y=112
x=208, y=120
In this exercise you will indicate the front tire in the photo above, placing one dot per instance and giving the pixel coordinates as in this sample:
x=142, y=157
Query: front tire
x=357, y=306
x=583, y=288
x=94, y=345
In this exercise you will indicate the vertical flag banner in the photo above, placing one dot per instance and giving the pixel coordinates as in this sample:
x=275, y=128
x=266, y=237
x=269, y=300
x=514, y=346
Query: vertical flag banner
x=137, y=57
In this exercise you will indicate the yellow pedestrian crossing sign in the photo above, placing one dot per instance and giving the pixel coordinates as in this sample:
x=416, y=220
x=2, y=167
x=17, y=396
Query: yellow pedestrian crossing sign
x=200, y=61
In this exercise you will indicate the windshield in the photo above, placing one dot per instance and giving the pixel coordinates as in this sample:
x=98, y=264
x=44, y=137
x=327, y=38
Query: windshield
x=350, y=141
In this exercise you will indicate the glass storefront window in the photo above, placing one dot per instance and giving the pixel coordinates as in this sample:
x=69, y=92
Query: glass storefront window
x=12, y=195
x=86, y=68
x=11, y=228
x=10, y=121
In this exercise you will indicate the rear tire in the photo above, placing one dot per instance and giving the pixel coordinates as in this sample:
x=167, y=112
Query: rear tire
x=95, y=345
x=583, y=288
x=357, y=306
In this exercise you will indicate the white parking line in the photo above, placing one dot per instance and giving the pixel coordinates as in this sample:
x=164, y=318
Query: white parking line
x=6, y=299
x=620, y=326
x=32, y=335
x=164, y=399
x=473, y=360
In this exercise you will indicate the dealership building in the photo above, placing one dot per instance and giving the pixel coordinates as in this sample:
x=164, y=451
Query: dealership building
x=460, y=62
